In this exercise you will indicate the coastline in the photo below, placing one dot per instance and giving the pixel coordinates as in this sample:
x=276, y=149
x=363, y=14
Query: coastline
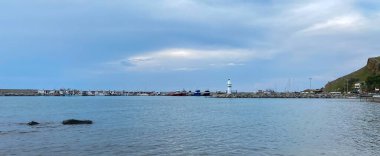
x=285, y=95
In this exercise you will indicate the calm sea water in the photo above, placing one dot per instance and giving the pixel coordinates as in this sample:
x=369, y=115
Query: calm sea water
x=189, y=126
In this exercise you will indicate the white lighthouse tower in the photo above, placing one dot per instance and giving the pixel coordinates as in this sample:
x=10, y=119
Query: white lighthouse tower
x=229, y=86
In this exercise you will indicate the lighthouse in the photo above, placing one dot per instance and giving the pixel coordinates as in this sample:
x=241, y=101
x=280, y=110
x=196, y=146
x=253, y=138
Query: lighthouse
x=229, y=86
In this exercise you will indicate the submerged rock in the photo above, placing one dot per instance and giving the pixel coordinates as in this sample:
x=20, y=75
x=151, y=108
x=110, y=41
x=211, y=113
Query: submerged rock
x=32, y=123
x=76, y=122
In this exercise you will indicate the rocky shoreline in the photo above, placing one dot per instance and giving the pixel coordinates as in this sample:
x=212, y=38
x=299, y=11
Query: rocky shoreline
x=283, y=95
x=368, y=98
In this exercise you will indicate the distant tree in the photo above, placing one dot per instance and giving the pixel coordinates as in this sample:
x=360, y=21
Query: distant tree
x=373, y=82
x=364, y=86
x=349, y=82
x=352, y=81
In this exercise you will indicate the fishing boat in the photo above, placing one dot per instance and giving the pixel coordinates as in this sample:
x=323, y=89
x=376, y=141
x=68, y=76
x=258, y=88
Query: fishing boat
x=206, y=93
x=197, y=93
x=179, y=93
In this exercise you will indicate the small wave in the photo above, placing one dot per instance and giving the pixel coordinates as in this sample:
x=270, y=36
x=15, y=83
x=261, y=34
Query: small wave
x=41, y=125
x=25, y=132
x=24, y=128
x=16, y=132
x=6, y=132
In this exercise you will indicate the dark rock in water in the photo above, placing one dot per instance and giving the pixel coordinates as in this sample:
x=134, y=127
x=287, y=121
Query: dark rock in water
x=32, y=123
x=76, y=122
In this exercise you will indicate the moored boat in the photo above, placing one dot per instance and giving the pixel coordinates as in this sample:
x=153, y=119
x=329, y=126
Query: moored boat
x=197, y=93
x=206, y=93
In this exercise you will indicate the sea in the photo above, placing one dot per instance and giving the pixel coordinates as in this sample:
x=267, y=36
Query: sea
x=189, y=126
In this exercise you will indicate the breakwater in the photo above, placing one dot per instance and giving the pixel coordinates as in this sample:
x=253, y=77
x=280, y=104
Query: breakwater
x=283, y=95
x=73, y=92
x=18, y=92
x=376, y=99
x=370, y=98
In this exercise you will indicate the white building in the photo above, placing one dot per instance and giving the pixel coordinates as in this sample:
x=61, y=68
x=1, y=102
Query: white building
x=41, y=92
x=357, y=86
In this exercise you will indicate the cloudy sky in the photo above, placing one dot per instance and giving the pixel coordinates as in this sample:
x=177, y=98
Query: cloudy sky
x=191, y=44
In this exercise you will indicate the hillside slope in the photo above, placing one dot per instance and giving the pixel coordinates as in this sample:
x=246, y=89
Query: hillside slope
x=371, y=69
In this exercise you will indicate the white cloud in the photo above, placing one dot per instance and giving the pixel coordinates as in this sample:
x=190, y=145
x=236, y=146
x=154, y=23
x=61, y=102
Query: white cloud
x=188, y=59
x=298, y=31
x=337, y=24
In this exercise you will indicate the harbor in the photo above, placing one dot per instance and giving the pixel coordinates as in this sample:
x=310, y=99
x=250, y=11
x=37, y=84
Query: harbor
x=206, y=93
x=228, y=93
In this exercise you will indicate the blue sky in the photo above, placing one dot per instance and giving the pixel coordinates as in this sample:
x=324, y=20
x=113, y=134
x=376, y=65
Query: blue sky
x=191, y=44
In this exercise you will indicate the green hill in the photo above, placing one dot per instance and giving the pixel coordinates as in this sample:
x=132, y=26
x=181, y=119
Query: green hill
x=363, y=75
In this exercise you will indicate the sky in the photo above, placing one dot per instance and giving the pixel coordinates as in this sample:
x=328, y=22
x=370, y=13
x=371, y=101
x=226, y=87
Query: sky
x=165, y=45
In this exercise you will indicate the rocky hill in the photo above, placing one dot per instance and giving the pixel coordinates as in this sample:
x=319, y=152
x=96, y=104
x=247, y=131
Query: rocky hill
x=370, y=70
